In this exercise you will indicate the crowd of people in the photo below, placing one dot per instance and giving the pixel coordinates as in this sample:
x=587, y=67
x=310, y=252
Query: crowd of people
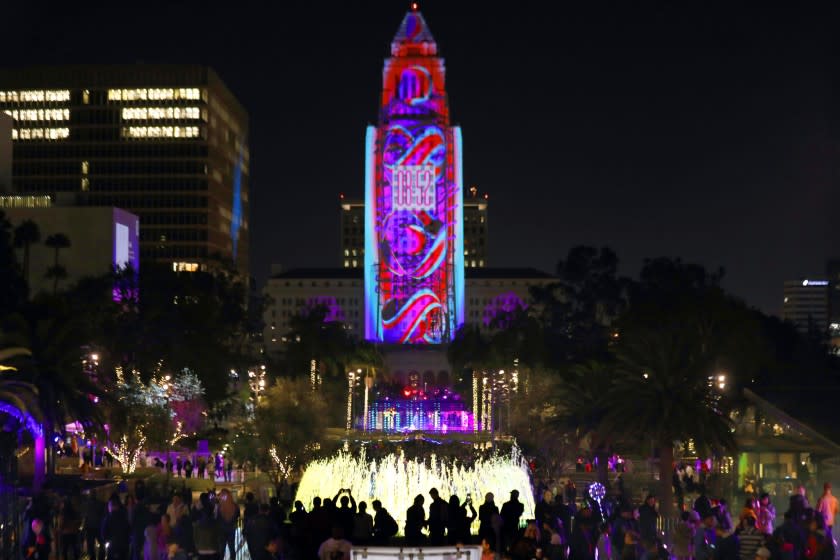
x=134, y=528
x=198, y=466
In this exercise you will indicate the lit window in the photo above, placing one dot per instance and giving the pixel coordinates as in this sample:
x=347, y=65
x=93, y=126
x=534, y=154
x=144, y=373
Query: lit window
x=185, y=267
x=355, y=263
x=39, y=114
x=161, y=113
x=160, y=132
x=85, y=167
x=35, y=96
x=346, y=264
x=86, y=96
x=346, y=253
x=85, y=184
x=154, y=94
x=40, y=133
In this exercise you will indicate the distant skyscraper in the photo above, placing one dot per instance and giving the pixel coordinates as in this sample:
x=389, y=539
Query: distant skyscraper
x=833, y=275
x=806, y=304
x=475, y=229
x=166, y=142
x=352, y=233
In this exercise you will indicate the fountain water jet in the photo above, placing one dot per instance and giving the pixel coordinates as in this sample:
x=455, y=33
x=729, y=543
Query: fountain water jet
x=396, y=480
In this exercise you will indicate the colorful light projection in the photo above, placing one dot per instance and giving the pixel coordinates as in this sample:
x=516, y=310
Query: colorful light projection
x=441, y=412
x=502, y=308
x=413, y=194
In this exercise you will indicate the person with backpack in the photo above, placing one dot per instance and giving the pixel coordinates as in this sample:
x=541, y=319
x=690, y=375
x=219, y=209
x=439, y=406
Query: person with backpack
x=384, y=525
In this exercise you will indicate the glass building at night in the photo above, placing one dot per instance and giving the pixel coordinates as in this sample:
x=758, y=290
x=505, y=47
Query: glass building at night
x=168, y=143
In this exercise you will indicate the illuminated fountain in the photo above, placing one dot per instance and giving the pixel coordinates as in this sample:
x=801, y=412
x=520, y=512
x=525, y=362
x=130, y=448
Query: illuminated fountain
x=396, y=480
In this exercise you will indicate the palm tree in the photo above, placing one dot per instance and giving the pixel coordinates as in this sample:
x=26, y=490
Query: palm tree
x=660, y=392
x=19, y=398
x=26, y=233
x=57, y=241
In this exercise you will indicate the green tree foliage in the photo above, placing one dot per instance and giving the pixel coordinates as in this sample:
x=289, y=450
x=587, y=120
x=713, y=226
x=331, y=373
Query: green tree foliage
x=288, y=429
x=57, y=271
x=13, y=293
x=579, y=307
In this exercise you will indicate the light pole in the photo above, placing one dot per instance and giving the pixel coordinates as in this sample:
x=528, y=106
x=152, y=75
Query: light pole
x=351, y=380
x=368, y=386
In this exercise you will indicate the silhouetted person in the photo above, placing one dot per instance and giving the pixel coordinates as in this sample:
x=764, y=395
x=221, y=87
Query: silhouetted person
x=415, y=520
x=438, y=514
x=486, y=512
x=511, y=513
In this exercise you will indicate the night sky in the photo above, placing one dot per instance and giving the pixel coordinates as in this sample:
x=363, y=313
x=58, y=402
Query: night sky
x=691, y=129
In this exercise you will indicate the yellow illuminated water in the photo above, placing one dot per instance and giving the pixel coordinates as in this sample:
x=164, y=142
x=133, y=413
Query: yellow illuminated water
x=395, y=481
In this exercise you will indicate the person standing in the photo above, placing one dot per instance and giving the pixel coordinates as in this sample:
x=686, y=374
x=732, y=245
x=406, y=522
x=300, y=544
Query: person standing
x=229, y=469
x=36, y=544
x=362, y=526
x=228, y=520
x=438, y=517
x=415, y=521
x=648, y=517
x=116, y=531
x=511, y=513
x=188, y=468
x=92, y=514
x=827, y=506
x=202, y=466
x=766, y=514
x=486, y=512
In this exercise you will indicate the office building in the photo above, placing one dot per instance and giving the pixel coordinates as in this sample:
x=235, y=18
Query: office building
x=100, y=238
x=493, y=295
x=475, y=228
x=805, y=304
x=166, y=142
x=352, y=233
x=6, y=125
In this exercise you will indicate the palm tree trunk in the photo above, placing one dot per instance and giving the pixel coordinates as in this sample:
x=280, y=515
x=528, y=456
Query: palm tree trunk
x=55, y=280
x=666, y=479
x=26, y=264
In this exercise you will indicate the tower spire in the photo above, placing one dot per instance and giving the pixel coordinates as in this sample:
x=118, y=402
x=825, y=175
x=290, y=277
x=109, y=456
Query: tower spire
x=413, y=37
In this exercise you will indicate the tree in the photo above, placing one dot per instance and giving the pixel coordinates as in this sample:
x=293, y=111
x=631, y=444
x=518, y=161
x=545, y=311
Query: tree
x=138, y=416
x=14, y=293
x=312, y=336
x=578, y=309
x=57, y=242
x=660, y=392
x=26, y=233
x=290, y=425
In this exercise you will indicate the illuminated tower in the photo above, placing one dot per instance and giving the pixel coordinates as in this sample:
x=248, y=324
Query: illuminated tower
x=414, y=249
